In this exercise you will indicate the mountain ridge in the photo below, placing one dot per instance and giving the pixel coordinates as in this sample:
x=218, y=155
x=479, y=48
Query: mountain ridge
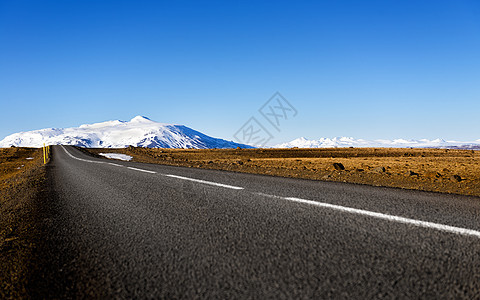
x=140, y=131
x=338, y=142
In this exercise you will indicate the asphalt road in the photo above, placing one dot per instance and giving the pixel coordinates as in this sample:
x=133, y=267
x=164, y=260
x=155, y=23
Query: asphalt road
x=129, y=230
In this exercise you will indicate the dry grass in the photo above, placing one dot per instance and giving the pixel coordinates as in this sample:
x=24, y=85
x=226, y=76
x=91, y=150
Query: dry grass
x=436, y=170
x=20, y=181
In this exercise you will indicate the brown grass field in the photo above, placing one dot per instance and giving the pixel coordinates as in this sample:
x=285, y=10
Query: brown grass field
x=437, y=170
x=22, y=177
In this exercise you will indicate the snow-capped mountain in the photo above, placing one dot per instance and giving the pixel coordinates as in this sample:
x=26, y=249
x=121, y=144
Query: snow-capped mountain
x=397, y=143
x=139, y=131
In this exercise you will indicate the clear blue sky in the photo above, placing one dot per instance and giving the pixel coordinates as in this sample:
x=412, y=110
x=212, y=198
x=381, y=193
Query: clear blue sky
x=367, y=69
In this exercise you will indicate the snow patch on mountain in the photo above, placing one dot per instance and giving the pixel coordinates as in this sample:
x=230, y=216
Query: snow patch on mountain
x=338, y=142
x=139, y=132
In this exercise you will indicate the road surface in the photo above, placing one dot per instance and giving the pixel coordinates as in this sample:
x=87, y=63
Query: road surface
x=129, y=230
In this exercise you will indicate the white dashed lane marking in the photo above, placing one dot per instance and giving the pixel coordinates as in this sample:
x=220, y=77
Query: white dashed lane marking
x=391, y=218
x=205, y=182
x=356, y=211
x=142, y=170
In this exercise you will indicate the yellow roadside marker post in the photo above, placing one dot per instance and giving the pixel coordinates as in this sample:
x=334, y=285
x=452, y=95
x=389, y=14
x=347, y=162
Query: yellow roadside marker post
x=44, y=155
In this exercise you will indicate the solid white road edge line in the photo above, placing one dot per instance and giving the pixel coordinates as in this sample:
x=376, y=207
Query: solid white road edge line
x=206, y=182
x=142, y=170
